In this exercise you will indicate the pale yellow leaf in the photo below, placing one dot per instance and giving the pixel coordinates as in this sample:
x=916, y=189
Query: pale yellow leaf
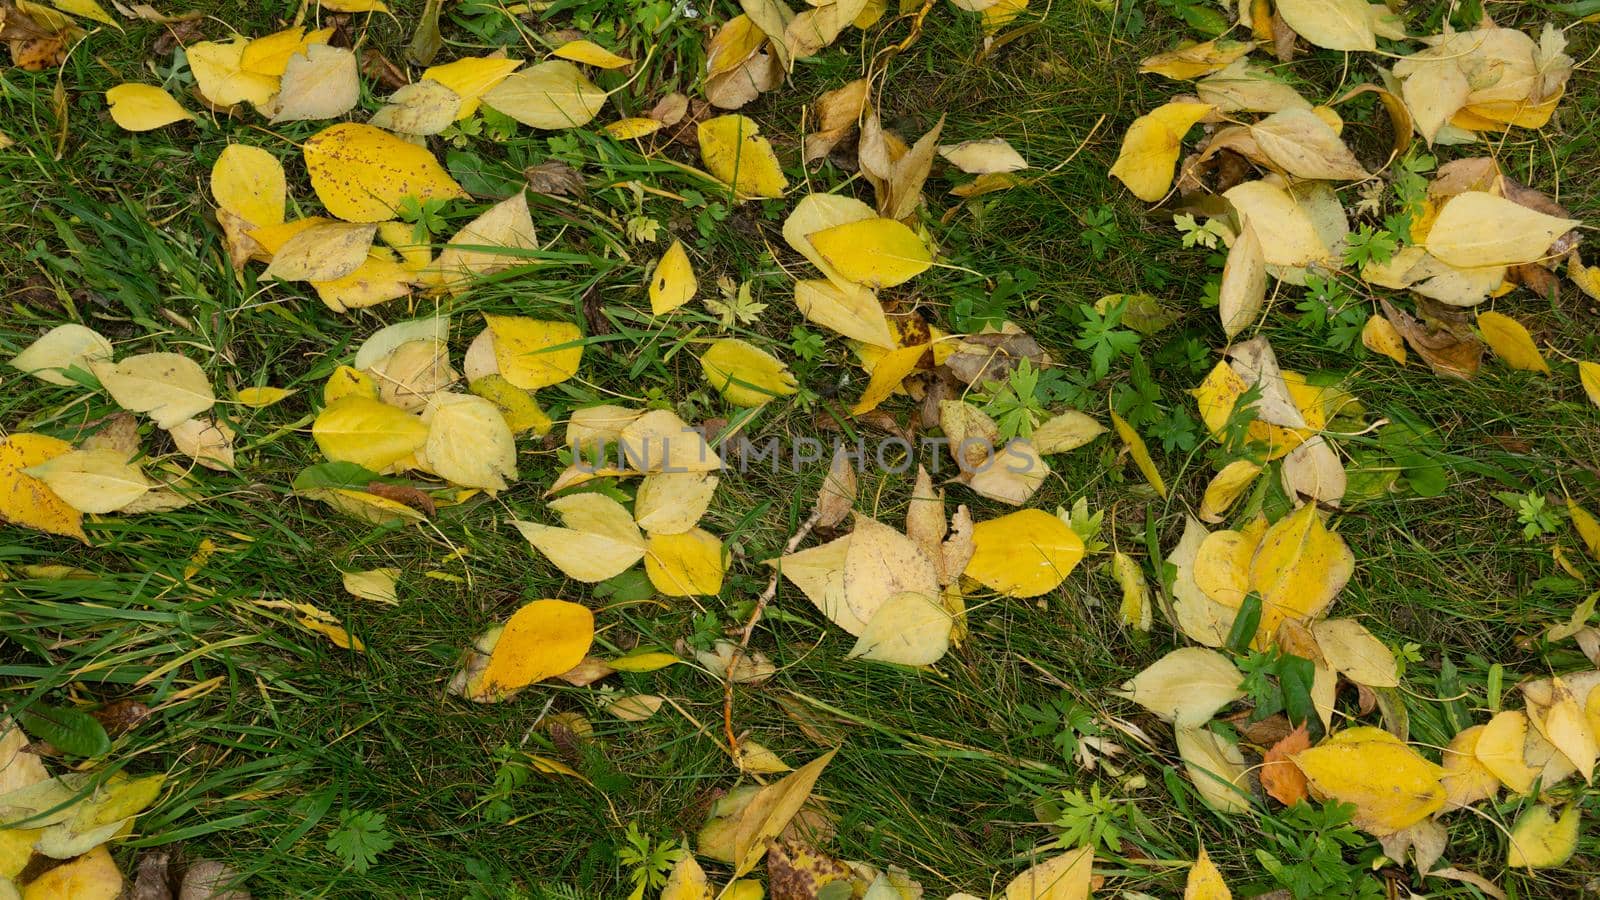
x=1352, y=651
x=324, y=252
x=1331, y=24
x=423, y=107
x=1186, y=687
x=851, y=310
x=909, y=628
x=470, y=78
x=687, y=564
x=1244, y=283
x=168, y=387
x=551, y=96
x=377, y=585
x=493, y=241
x=469, y=443
x=1065, y=877
x=1479, y=229
x=1539, y=840
x=1216, y=767
x=320, y=83
x=600, y=539
x=534, y=353
x=92, y=481
x=745, y=374
x=143, y=107
x=62, y=347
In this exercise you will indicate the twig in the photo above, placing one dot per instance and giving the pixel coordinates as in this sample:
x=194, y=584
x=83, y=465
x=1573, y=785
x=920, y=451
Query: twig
x=749, y=629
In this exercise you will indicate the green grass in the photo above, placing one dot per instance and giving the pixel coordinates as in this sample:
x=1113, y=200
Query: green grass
x=269, y=733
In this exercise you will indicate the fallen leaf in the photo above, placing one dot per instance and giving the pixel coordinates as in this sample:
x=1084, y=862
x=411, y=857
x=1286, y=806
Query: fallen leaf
x=1205, y=881
x=1331, y=24
x=1195, y=60
x=745, y=374
x=687, y=564
x=590, y=54
x=1445, y=352
x=1065, y=877
x=423, y=107
x=1479, y=229
x=1500, y=750
x=1150, y=148
x=673, y=502
x=320, y=83
x=600, y=539
x=1301, y=144
x=1216, y=767
x=1511, y=342
x=1226, y=488
x=92, y=481
x=1023, y=554
x=770, y=810
x=735, y=153
x=533, y=353
x=470, y=78
x=1390, y=784
x=62, y=347
x=552, y=96
x=143, y=107
x=469, y=443
x=367, y=432
x=1380, y=336
x=1186, y=687
x=1280, y=777
x=495, y=240
x=541, y=639
x=984, y=157
x=220, y=77
x=1244, y=283
x=672, y=283
x=377, y=585
x=1140, y=453
x=1299, y=568
x=323, y=252
x=1539, y=840
x=168, y=387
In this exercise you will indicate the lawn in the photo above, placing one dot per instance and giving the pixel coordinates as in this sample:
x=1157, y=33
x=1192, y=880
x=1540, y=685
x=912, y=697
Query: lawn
x=284, y=753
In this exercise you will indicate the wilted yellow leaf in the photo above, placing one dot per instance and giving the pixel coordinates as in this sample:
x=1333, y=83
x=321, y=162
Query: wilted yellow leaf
x=552, y=95
x=1476, y=229
x=168, y=387
x=423, y=107
x=591, y=54
x=1151, y=147
x=891, y=369
x=470, y=78
x=770, y=811
x=361, y=173
x=1500, y=750
x=1331, y=24
x=600, y=538
x=1352, y=651
x=1195, y=60
x=533, y=353
x=1140, y=453
x=1065, y=877
x=746, y=374
x=736, y=154
x=874, y=252
x=489, y=243
x=672, y=502
x=218, y=73
x=1216, y=767
x=62, y=347
x=1226, y=488
x=1390, y=784
x=1380, y=336
x=686, y=881
x=270, y=54
x=367, y=432
x=1187, y=686
x=1137, y=610
x=92, y=481
x=1222, y=565
x=910, y=628
x=1300, y=143
x=323, y=252
x=27, y=501
x=1541, y=841
x=1466, y=780
x=1205, y=882
x=672, y=284
x=1023, y=554
x=687, y=564
x=1244, y=283
x=1298, y=569
x=1511, y=342
x=517, y=406
x=633, y=128
x=319, y=83
x=542, y=639
x=1203, y=619
x=469, y=442
x=143, y=107
x=1563, y=723
x=373, y=584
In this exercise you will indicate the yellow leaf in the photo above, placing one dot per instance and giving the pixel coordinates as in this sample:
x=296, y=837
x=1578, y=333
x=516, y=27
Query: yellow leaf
x=1541, y=841
x=469, y=443
x=1466, y=780
x=1479, y=229
x=1298, y=569
x=355, y=6
x=736, y=41
x=1205, y=882
x=88, y=9
x=271, y=238
x=659, y=441
x=600, y=539
x=1380, y=336
x=261, y=397
x=1331, y=24
x=1353, y=652
x=852, y=310
x=143, y=107
x=910, y=628
x=1203, y=619
x=1589, y=377
x=1587, y=526
x=489, y=243
x=532, y=352
x=736, y=154
x=423, y=107
x=818, y=212
x=874, y=252
x=1244, y=283
x=1511, y=342
x=1390, y=784
x=688, y=564
x=320, y=83
x=361, y=173
x=92, y=481
x=819, y=574
x=1136, y=610
x=269, y=55
x=672, y=284
x=1140, y=453
x=552, y=95
x=1023, y=554
x=517, y=406
x=347, y=382
x=1065, y=877
x=1065, y=431
x=686, y=881
x=374, y=584
x=1195, y=60
x=633, y=128
x=470, y=78
x=986, y=157
x=1226, y=488
x=756, y=758
x=880, y=563
x=643, y=662
x=1151, y=148
x=672, y=502
x=1011, y=475
x=367, y=432
x=1222, y=566
x=62, y=347
x=166, y=386
x=542, y=639
x=323, y=252
x=27, y=501
x=893, y=368
x=221, y=79
x=770, y=811
x=1216, y=768
x=1563, y=723
x=364, y=506
x=1300, y=143
x=591, y=54
x=1186, y=687
x=746, y=374
x=93, y=876
x=1500, y=750
x=1287, y=216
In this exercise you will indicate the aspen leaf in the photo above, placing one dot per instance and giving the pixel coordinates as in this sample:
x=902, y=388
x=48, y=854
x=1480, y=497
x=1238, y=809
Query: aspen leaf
x=1500, y=750
x=469, y=442
x=873, y=252
x=1331, y=24
x=324, y=252
x=1353, y=652
x=819, y=574
x=27, y=501
x=319, y=83
x=1216, y=767
x=489, y=243
x=736, y=41
x=1010, y=475
x=600, y=538
x=1390, y=784
x=1023, y=554
x=552, y=96
x=1151, y=148
x=745, y=374
x=687, y=564
x=62, y=347
x=1205, y=881
x=735, y=153
x=891, y=369
x=1065, y=877
x=377, y=585
x=1241, y=87
x=1313, y=471
x=542, y=639
x=361, y=173
x=672, y=284
x=1140, y=454
x=220, y=77
x=983, y=157
x=411, y=373
x=1466, y=780
x=367, y=432
x=470, y=78
x=532, y=353
x=1511, y=342
x=1186, y=687
x=1244, y=283
x=1271, y=210
x=1226, y=487
x=909, y=628
x=1539, y=840
x=92, y=481
x=852, y=310
x=770, y=811
x=1380, y=336
x=591, y=54
x=168, y=387
x=1479, y=229
x=423, y=107
x=143, y=107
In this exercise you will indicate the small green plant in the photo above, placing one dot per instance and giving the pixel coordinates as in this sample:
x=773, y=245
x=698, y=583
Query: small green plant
x=1328, y=308
x=1103, y=337
x=647, y=860
x=360, y=838
x=1063, y=721
x=1369, y=245
x=1306, y=853
x=806, y=344
x=1014, y=404
x=1100, y=231
x=1084, y=524
x=426, y=217
x=1533, y=512
x=1278, y=682
x=1096, y=820
x=1197, y=235
x=1411, y=194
